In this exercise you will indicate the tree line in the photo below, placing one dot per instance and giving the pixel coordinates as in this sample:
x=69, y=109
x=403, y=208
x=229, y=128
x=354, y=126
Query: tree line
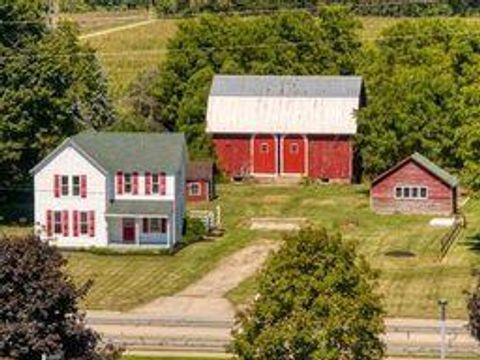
x=423, y=92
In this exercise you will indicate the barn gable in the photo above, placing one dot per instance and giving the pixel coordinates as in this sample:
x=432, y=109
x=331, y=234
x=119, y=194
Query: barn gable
x=284, y=104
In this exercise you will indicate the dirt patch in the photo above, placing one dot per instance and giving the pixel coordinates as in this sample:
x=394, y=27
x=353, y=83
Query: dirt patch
x=275, y=199
x=277, y=223
x=316, y=202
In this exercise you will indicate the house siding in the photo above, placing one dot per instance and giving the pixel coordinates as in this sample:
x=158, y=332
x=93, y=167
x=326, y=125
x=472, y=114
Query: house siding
x=70, y=162
x=441, y=199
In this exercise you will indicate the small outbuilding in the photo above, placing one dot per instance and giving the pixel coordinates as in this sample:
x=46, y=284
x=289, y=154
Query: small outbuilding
x=200, y=181
x=415, y=186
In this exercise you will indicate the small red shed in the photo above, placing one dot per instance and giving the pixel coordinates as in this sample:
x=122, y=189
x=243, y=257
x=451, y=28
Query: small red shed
x=415, y=186
x=200, y=182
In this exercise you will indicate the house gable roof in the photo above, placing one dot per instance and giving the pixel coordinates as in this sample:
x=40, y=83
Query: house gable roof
x=127, y=151
x=425, y=163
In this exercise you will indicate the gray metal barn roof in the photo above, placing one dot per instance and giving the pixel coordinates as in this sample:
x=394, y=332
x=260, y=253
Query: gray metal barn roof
x=253, y=104
x=289, y=86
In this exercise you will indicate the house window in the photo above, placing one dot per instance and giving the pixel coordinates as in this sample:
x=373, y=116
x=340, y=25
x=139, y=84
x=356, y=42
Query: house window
x=154, y=226
x=57, y=222
x=264, y=148
x=411, y=192
x=293, y=148
x=194, y=189
x=64, y=185
x=155, y=184
x=127, y=183
x=76, y=185
x=83, y=222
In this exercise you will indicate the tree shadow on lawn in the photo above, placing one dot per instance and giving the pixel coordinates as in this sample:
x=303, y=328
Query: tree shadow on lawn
x=472, y=242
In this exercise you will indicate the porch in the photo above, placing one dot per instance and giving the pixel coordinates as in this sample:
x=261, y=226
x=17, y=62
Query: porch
x=140, y=223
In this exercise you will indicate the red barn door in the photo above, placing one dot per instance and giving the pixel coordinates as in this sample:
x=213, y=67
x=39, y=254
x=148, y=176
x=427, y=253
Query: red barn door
x=264, y=154
x=293, y=154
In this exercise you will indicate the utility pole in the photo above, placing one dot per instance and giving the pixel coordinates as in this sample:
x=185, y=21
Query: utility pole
x=442, y=303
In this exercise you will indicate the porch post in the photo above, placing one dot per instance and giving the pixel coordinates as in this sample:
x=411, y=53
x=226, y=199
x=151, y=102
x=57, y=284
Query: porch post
x=137, y=231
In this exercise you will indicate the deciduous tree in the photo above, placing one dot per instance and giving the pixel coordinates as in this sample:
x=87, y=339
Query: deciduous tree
x=316, y=300
x=39, y=311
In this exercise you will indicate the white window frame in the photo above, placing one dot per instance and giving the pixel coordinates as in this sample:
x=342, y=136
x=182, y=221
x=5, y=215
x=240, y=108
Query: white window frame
x=130, y=183
x=410, y=190
x=155, y=183
x=64, y=185
x=191, y=186
x=83, y=222
x=76, y=191
x=161, y=229
x=58, y=222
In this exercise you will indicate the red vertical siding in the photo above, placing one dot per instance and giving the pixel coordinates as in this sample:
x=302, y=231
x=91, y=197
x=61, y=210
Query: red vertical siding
x=233, y=153
x=330, y=157
x=440, y=196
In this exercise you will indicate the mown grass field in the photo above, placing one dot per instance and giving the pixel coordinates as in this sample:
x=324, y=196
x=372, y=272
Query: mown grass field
x=411, y=286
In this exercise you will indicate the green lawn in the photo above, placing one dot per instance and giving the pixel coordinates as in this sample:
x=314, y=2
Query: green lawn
x=165, y=358
x=411, y=286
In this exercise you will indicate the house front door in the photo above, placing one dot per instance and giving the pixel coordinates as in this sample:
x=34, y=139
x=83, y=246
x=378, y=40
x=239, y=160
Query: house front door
x=128, y=230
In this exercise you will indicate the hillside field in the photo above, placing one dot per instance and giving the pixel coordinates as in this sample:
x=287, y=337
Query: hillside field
x=411, y=285
x=127, y=53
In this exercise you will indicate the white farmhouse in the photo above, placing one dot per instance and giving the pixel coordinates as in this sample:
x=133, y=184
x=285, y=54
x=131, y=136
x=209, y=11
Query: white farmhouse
x=112, y=189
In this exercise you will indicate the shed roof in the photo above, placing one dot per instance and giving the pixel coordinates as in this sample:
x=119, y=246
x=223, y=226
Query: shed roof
x=139, y=207
x=421, y=160
x=284, y=104
x=112, y=151
x=200, y=170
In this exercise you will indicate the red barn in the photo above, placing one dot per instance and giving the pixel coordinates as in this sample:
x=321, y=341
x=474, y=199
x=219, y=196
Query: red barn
x=200, y=182
x=285, y=125
x=415, y=186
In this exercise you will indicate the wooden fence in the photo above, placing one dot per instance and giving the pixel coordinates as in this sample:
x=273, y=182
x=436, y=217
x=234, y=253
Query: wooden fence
x=452, y=234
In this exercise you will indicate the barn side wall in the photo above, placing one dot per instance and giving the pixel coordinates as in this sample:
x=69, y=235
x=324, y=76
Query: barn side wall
x=330, y=157
x=233, y=154
x=440, y=196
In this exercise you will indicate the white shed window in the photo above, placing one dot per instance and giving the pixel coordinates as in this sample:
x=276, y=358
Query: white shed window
x=264, y=148
x=411, y=192
x=194, y=189
x=293, y=148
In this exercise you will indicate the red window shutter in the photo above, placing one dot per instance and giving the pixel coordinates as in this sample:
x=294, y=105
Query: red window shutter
x=119, y=183
x=56, y=185
x=148, y=183
x=83, y=186
x=135, y=183
x=75, y=223
x=65, y=222
x=49, y=223
x=163, y=183
x=91, y=223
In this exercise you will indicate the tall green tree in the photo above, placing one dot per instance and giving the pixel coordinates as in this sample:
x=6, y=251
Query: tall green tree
x=285, y=44
x=422, y=96
x=51, y=87
x=316, y=301
x=39, y=311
